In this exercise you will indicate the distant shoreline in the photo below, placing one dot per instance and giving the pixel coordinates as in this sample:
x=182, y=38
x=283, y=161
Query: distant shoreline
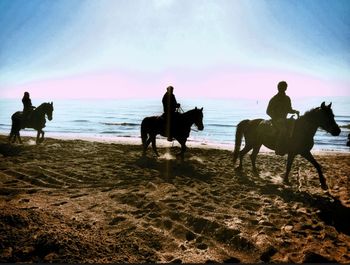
x=161, y=143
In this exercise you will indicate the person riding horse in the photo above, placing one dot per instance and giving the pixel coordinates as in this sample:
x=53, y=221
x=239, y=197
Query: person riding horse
x=278, y=108
x=27, y=108
x=170, y=107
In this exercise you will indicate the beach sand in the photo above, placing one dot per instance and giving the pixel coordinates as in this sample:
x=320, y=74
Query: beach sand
x=86, y=201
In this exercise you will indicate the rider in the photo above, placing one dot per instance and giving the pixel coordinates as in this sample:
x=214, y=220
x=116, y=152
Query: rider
x=169, y=105
x=27, y=108
x=278, y=109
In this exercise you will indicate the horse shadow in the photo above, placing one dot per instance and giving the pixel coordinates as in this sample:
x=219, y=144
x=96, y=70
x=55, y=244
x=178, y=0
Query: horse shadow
x=171, y=168
x=331, y=210
x=7, y=149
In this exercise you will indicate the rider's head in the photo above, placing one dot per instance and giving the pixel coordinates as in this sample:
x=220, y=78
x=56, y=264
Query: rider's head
x=282, y=86
x=170, y=89
x=26, y=94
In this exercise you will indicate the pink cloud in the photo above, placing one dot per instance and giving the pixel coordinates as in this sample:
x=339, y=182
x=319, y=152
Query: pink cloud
x=217, y=83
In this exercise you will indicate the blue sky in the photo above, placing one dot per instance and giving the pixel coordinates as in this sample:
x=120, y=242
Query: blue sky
x=189, y=44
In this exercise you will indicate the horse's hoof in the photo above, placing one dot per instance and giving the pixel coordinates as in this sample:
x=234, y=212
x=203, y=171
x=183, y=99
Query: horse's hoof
x=324, y=186
x=238, y=168
x=286, y=182
x=256, y=172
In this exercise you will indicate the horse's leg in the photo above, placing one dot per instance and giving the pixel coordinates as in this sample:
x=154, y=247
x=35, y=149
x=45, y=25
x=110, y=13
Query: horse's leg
x=183, y=149
x=42, y=136
x=253, y=156
x=153, y=140
x=13, y=134
x=146, y=144
x=17, y=130
x=37, y=137
x=290, y=160
x=242, y=153
x=19, y=137
x=309, y=157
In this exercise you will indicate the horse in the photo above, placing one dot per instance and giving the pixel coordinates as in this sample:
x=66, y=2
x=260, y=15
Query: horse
x=259, y=132
x=154, y=125
x=36, y=120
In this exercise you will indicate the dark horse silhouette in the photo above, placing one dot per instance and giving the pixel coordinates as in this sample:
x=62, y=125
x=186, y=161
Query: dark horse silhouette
x=151, y=126
x=260, y=132
x=36, y=120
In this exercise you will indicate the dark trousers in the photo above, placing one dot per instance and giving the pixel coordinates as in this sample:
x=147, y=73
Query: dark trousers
x=282, y=134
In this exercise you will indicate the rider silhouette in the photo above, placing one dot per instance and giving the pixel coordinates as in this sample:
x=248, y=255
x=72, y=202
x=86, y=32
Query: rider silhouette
x=27, y=108
x=170, y=106
x=278, y=108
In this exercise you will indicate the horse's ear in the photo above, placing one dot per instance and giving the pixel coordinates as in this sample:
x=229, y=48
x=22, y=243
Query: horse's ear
x=196, y=108
x=202, y=109
x=330, y=105
x=51, y=103
x=323, y=105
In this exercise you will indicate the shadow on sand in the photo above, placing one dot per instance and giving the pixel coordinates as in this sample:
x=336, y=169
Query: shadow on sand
x=171, y=168
x=331, y=209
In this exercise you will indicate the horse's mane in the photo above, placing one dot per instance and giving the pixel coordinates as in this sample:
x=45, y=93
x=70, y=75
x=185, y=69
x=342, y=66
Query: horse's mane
x=191, y=111
x=311, y=113
x=42, y=105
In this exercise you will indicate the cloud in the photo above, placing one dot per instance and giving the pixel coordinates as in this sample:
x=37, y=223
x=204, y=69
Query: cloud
x=64, y=39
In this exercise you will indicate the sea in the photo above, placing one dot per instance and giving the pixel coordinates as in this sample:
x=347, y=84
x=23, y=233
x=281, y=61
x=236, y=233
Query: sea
x=121, y=118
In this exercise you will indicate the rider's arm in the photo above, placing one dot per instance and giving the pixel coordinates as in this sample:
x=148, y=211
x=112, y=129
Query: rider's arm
x=291, y=110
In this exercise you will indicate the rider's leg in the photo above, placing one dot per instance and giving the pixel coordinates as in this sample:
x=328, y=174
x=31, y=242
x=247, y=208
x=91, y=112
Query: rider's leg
x=280, y=145
x=169, y=128
x=24, y=120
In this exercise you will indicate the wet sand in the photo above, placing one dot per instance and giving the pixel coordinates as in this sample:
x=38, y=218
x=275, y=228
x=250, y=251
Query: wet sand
x=88, y=201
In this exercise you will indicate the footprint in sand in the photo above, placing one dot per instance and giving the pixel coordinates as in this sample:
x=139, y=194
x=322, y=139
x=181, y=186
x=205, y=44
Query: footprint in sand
x=117, y=220
x=59, y=203
x=78, y=195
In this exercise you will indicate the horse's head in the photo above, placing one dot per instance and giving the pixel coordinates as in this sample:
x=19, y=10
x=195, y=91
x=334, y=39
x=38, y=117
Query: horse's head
x=327, y=121
x=198, y=121
x=49, y=110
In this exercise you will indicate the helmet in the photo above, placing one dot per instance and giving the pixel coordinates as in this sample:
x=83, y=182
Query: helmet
x=282, y=86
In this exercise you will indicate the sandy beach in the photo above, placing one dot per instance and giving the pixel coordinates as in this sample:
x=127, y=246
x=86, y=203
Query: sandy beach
x=87, y=201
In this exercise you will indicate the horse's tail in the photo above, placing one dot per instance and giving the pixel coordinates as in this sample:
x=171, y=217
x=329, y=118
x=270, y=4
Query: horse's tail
x=15, y=126
x=238, y=141
x=144, y=133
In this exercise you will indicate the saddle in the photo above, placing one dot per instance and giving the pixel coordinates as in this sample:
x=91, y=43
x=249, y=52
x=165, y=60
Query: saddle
x=174, y=118
x=26, y=116
x=289, y=127
x=173, y=126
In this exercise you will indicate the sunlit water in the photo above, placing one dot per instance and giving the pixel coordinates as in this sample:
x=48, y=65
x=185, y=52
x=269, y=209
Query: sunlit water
x=122, y=118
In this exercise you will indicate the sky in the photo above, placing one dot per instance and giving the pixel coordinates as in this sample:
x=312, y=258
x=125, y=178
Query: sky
x=203, y=48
